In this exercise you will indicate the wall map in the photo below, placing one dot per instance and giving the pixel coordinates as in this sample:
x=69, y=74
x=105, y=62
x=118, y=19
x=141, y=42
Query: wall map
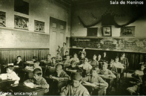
x=113, y=44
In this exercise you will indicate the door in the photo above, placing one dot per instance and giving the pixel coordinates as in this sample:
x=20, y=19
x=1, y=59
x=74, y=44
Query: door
x=53, y=43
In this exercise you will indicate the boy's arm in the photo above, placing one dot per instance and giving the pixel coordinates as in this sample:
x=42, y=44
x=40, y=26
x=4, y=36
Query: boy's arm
x=102, y=82
x=111, y=74
x=65, y=77
x=43, y=84
x=64, y=91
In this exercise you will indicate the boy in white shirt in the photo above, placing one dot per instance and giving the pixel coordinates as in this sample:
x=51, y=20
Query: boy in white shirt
x=11, y=75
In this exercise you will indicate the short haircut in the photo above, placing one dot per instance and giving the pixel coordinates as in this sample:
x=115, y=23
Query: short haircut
x=10, y=67
x=122, y=54
x=117, y=57
x=76, y=76
x=66, y=51
x=36, y=61
x=37, y=70
x=53, y=58
x=34, y=57
x=92, y=70
x=64, y=43
x=18, y=56
x=59, y=65
x=104, y=63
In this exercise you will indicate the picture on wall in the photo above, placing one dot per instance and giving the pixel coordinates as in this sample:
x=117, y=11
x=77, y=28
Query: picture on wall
x=107, y=31
x=39, y=26
x=21, y=22
x=92, y=31
x=128, y=31
x=2, y=19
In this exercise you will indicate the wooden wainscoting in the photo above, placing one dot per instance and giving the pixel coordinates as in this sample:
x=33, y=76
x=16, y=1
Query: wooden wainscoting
x=8, y=55
x=134, y=58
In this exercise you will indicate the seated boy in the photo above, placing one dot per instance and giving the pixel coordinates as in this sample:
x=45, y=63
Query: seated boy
x=38, y=80
x=107, y=75
x=99, y=85
x=143, y=87
x=137, y=80
x=37, y=65
x=94, y=62
x=58, y=58
x=11, y=75
x=59, y=78
x=53, y=63
x=73, y=68
x=19, y=62
x=86, y=67
x=75, y=88
x=67, y=61
x=66, y=54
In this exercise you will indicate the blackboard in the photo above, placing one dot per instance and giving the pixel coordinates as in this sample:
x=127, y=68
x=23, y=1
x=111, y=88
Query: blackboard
x=113, y=44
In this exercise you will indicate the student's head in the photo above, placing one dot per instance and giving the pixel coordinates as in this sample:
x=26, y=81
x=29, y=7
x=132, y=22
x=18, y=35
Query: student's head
x=36, y=63
x=76, y=79
x=58, y=68
x=75, y=55
x=37, y=73
x=49, y=56
x=123, y=55
x=58, y=54
x=53, y=59
x=67, y=57
x=10, y=68
x=117, y=59
x=19, y=58
x=142, y=67
x=66, y=53
x=73, y=64
x=64, y=44
x=112, y=61
x=104, y=66
x=104, y=53
x=82, y=55
x=94, y=57
x=99, y=56
x=34, y=58
x=93, y=72
x=84, y=49
x=86, y=59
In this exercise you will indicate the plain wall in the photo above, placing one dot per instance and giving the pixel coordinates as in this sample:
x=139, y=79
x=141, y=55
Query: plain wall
x=40, y=10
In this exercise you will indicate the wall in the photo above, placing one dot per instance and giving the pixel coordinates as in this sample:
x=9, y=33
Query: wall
x=40, y=10
x=91, y=12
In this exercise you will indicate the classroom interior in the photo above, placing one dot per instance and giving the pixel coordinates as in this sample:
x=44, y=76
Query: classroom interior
x=47, y=46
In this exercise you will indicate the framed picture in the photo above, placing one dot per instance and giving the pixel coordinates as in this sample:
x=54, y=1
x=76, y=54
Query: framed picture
x=2, y=19
x=107, y=31
x=128, y=31
x=21, y=22
x=39, y=26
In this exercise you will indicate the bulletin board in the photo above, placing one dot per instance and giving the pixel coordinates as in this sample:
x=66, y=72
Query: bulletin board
x=113, y=44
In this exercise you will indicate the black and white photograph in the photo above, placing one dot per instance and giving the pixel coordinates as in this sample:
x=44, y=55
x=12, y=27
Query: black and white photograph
x=72, y=47
x=107, y=31
x=128, y=31
x=2, y=19
x=39, y=26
